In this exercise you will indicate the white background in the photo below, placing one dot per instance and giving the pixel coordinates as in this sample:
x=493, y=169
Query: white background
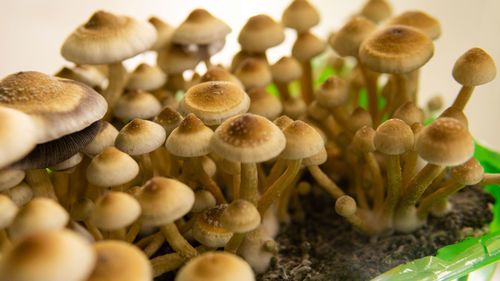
x=32, y=31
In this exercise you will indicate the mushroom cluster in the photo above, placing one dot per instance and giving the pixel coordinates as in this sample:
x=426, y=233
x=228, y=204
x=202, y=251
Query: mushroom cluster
x=106, y=175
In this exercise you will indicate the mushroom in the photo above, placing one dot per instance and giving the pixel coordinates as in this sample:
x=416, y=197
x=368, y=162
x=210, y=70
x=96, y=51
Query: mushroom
x=239, y=217
x=217, y=73
x=164, y=32
x=285, y=71
x=18, y=133
x=146, y=77
x=264, y=103
x=173, y=60
x=8, y=211
x=253, y=73
x=260, y=33
x=376, y=10
x=86, y=74
x=208, y=230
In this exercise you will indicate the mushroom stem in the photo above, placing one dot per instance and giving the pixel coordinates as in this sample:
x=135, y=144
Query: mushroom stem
x=400, y=94
x=490, y=179
x=170, y=262
x=205, y=180
x=132, y=232
x=236, y=186
x=371, y=90
x=283, y=90
x=413, y=78
x=393, y=188
x=324, y=181
x=377, y=182
x=277, y=169
x=284, y=202
x=436, y=183
x=463, y=97
x=249, y=182
x=306, y=82
x=96, y=233
x=116, y=83
x=154, y=245
x=448, y=188
x=5, y=242
x=146, y=165
x=146, y=240
x=410, y=164
x=118, y=234
x=61, y=187
x=177, y=241
x=40, y=183
x=234, y=243
x=275, y=190
x=357, y=186
x=77, y=182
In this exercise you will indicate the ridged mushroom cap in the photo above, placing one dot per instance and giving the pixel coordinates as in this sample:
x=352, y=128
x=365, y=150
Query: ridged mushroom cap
x=107, y=38
x=475, y=67
x=248, y=138
x=190, y=139
x=260, y=33
x=396, y=49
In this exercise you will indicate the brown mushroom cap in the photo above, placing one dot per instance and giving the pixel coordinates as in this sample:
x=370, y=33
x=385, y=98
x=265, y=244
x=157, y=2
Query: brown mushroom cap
x=418, y=19
x=253, y=73
x=282, y=122
x=208, y=230
x=456, y=113
x=396, y=49
x=348, y=38
x=173, y=59
x=332, y=92
x=169, y=119
x=136, y=104
x=307, y=46
x=200, y=27
x=286, y=69
x=300, y=15
x=248, y=138
x=445, y=142
x=345, y=206
x=115, y=210
x=107, y=38
x=112, y=167
x=57, y=106
x=393, y=137
x=216, y=266
x=190, y=139
x=140, y=137
x=409, y=113
x=475, y=67
x=217, y=73
x=213, y=102
x=264, y=103
x=164, y=32
x=146, y=77
x=362, y=142
x=359, y=118
x=86, y=74
x=240, y=216
x=104, y=138
x=302, y=141
x=468, y=173
x=18, y=135
x=376, y=10
x=260, y=33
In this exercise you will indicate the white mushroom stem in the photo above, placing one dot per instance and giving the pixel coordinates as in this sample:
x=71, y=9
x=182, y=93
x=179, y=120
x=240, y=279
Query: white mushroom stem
x=463, y=97
x=177, y=241
x=249, y=182
x=490, y=179
x=116, y=83
x=40, y=183
x=449, y=187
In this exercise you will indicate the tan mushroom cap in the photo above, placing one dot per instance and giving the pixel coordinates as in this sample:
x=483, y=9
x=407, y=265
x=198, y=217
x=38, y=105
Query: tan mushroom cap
x=172, y=59
x=216, y=266
x=456, y=113
x=57, y=106
x=294, y=107
x=120, y=261
x=393, y=137
x=317, y=159
x=240, y=216
x=136, y=104
x=213, y=102
x=146, y=77
x=164, y=32
x=240, y=56
x=253, y=73
x=164, y=200
x=264, y=103
x=8, y=211
x=300, y=15
x=468, y=173
x=190, y=139
x=203, y=199
x=307, y=46
x=68, y=164
x=283, y=121
x=332, y=92
x=21, y=194
x=169, y=119
x=208, y=230
x=200, y=27
x=140, y=137
x=248, y=138
x=445, y=142
x=39, y=215
x=18, y=135
x=107, y=38
x=115, y=210
x=10, y=178
x=376, y=10
x=112, y=167
x=49, y=256
x=260, y=33
x=345, y=206
x=302, y=141
x=409, y=113
x=418, y=19
x=359, y=118
x=396, y=49
x=86, y=74
x=104, y=138
x=475, y=67
x=348, y=38
x=286, y=69
x=217, y=73
x=362, y=142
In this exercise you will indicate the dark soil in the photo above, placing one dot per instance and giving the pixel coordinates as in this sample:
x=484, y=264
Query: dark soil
x=324, y=247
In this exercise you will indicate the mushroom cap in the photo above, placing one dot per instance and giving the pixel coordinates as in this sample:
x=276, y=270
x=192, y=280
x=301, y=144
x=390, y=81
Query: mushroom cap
x=300, y=15
x=216, y=266
x=294, y=107
x=49, y=256
x=242, y=55
x=57, y=106
x=317, y=159
x=260, y=33
x=264, y=103
x=8, y=211
x=111, y=167
x=104, y=138
x=68, y=164
x=332, y=92
x=393, y=137
x=137, y=104
x=217, y=73
x=248, y=138
x=200, y=27
x=10, y=178
x=456, y=113
x=302, y=141
x=396, y=49
x=359, y=118
x=208, y=230
x=213, y=102
x=468, y=173
x=86, y=74
x=140, y=137
x=21, y=194
x=190, y=139
x=345, y=206
x=253, y=73
x=409, y=113
x=169, y=119
x=307, y=46
x=376, y=10
x=164, y=200
x=146, y=77
x=240, y=216
x=283, y=121
x=173, y=59
x=18, y=135
x=39, y=215
x=363, y=140
x=203, y=199
x=120, y=261
x=445, y=142
x=418, y=19
x=475, y=67
x=115, y=210
x=286, y=70
x=348, y=38
x=164, y=32
x=107, y=38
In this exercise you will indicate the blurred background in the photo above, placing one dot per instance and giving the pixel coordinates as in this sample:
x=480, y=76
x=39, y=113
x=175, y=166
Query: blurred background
x=32, y=32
